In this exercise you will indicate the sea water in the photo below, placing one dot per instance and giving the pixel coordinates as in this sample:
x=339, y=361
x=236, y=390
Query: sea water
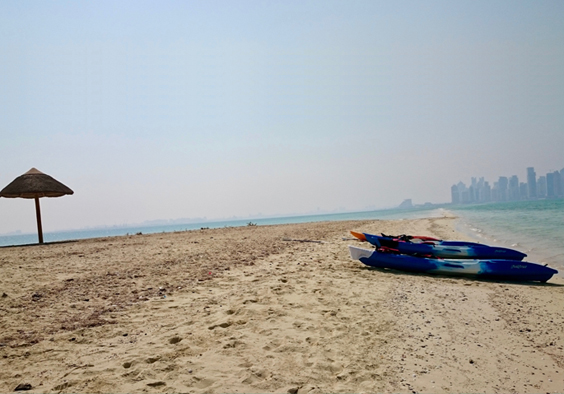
x=533, y=227
x=385, y=214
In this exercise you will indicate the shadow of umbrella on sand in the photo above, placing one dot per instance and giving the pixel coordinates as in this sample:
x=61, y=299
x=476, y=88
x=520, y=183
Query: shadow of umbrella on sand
x=35, y=184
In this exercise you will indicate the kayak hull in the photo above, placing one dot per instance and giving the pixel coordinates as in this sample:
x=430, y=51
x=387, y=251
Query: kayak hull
x=510, y=270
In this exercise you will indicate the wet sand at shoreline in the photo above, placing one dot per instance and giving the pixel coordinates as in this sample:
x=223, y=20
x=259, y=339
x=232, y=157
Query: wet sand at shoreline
x=267, y=309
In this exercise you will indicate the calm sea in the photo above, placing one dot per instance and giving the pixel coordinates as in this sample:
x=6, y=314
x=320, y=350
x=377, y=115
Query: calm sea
x=533, y=227
x=24, y=239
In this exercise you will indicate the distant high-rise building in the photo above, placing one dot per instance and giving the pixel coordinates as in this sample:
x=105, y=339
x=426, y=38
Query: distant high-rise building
x=454, y=194
x=487, y=192
x=558, y=184
x=472, y=194
x=541, y=187
x=495, y=192
x=513, y=188
x=523, y=190
x=561, y=183
x=465, y=197
x=503, y=184
x=531, y=182
x=550, y=189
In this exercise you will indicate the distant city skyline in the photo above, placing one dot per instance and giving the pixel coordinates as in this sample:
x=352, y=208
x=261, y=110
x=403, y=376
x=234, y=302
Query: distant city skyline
x=506, y=188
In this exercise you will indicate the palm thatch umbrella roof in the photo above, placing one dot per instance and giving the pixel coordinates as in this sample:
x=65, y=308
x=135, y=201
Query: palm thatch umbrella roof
x=35, y=184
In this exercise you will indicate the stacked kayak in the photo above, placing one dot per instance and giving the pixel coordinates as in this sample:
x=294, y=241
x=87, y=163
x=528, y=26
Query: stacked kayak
x=489, y=269
x=434, y=257
x=439, y=248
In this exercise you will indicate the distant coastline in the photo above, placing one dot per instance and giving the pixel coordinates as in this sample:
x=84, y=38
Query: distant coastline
x=110, y=231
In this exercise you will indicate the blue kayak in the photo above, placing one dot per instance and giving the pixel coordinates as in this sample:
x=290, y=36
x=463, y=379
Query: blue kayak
x=445, y=249
x=482, y=268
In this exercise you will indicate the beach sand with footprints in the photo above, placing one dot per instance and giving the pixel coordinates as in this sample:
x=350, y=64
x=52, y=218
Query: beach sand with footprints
x=263, y=309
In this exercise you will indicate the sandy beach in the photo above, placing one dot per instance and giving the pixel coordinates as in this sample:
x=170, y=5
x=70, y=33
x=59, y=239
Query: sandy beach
x=263, y=309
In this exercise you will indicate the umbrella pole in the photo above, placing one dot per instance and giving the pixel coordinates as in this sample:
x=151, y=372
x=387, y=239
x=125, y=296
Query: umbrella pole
x=38, y=215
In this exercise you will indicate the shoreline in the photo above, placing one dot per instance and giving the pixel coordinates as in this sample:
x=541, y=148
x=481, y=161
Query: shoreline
x=538, y=251
x=259, y=309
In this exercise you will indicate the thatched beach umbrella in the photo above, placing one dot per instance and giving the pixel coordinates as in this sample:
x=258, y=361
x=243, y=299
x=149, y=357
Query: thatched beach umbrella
x=35, y=184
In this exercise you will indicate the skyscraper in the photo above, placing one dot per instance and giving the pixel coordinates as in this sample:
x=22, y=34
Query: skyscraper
x=554, y=185
x=487, y=192
x=550, y=190
x=541, y=187
x=454, y=194
x=503, y=182
x=531, y=182
x=513, y=188
x=561, y=183
x=523, y=190
x=558, y=184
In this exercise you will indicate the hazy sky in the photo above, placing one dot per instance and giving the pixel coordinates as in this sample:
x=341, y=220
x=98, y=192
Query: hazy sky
x=171, y=109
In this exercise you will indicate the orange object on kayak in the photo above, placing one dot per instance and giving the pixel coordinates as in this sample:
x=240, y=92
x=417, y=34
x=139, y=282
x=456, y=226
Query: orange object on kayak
x=358, y=235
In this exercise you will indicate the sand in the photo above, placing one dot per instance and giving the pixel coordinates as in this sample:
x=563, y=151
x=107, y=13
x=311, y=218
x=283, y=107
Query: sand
x=258, y=309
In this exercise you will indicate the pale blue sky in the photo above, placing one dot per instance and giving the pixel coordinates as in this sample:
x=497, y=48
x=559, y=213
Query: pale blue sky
x=169, y=109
